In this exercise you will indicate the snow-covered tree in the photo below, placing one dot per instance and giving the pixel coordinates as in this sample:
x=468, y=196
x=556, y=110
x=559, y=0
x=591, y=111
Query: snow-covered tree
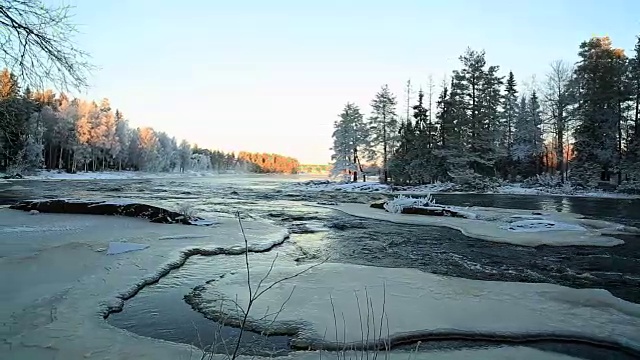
x=558, y=98
x=33, y=145
x=184, y=156
x=149, y=147
x=597, y=137
x=349, y=135
x=479, y=87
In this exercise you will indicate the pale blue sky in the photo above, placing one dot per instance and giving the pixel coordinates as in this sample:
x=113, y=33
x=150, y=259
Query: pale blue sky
x=273, y=75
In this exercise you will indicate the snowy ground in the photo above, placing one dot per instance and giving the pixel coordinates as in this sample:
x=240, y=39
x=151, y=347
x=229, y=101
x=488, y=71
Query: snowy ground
x=64, y=278
x=518, y=227
x=512, y=189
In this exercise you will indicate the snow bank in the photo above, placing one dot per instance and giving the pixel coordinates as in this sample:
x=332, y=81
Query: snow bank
x=411, y=305
x=490, y=222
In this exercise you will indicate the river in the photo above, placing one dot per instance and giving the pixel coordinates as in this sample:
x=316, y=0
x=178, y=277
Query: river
x=158, y=310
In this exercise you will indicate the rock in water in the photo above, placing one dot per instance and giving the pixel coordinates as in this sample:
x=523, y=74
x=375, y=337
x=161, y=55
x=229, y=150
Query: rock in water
x=378, y=204
x=100, y=207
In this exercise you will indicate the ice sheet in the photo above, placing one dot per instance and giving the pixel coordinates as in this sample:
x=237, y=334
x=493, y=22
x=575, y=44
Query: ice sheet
x=489, y=220
x=121, y=248
x=61, y=284
x=410, y=304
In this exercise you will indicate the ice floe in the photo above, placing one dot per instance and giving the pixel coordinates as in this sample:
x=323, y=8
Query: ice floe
x=336, y=304
x=492, y=224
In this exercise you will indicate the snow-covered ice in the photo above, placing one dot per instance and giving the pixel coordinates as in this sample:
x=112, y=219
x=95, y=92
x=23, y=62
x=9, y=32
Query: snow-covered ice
x=489, y=222
x=410, y=304
x=122, y=247
x=61, y=285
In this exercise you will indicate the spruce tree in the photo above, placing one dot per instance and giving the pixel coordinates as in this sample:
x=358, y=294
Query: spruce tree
x=383, y=129
x=479, y=86
x=509, y=114
x=598, y=76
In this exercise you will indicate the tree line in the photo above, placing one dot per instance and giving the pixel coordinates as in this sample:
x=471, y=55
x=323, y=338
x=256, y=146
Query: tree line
x=44, y=130
x=269, y=163
x=581, y=124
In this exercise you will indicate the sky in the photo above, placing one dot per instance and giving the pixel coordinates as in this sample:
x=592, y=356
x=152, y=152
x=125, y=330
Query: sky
x=272, y=76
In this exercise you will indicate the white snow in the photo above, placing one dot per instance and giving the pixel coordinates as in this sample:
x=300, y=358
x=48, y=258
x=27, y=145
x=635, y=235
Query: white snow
x=401, y=202
x=415, y=302
x=488, y=222
x=120, y=247
x=537, y=225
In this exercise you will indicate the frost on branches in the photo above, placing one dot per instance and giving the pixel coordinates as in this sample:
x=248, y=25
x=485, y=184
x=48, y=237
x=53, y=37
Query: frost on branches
x=349, y=136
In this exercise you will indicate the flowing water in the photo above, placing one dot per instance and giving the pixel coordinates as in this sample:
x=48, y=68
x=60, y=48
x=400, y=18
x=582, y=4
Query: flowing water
x=159, y=310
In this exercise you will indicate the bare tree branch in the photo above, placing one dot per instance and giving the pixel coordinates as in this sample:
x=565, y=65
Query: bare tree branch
x=37, y=44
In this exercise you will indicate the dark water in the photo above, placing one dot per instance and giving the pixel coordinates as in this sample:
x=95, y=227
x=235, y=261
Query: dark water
x=159, y=310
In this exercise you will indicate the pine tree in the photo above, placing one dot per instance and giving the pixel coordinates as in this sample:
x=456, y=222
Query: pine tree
x=383, y=129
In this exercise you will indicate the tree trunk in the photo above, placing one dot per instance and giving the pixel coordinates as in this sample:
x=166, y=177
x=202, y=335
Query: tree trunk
x=355, y=162
x=384, y=146
x=60, y=158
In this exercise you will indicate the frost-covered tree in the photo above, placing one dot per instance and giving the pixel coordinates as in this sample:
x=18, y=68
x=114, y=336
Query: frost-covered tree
x=479, y=86
x=149, y=147
x=558, y=98
x=632, y=160
x=349, y=135
x=509, y=113
x=184, y=155
x=33, y=145
x=597, y=136
x=383, y=129
x=527, y=139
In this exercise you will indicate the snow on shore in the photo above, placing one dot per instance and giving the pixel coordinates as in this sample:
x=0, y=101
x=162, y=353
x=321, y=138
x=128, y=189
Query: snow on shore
x=410, y=304
x=493, y=224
